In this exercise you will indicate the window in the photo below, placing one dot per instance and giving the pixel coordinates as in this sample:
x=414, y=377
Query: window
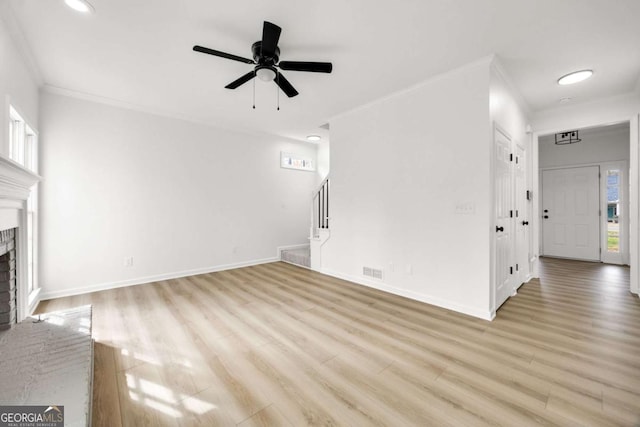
x=23, y=149
x=613, y=210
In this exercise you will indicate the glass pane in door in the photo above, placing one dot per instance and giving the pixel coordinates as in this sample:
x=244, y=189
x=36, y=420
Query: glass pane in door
x=613, y=210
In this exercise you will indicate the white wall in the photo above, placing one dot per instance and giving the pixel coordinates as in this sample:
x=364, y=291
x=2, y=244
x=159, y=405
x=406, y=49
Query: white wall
x=399, y=167
x=324, y=164
x=178, y=197
x=18, y=84
x=595, y=147
x=600, y=112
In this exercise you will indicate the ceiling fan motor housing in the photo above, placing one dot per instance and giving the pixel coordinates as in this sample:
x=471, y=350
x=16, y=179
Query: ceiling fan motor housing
x=256, y=49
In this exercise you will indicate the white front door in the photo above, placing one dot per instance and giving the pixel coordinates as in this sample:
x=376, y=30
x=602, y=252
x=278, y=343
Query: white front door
x=571, y=213
x=504, y=236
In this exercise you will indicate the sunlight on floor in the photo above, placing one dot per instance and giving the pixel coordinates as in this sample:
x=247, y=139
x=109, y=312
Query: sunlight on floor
x=197, y=406
x=141, y=357
x=162, y=399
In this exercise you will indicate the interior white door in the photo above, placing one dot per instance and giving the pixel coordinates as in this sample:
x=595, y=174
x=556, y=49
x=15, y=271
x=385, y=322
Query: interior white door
x=521, y=215
x=571, y=213
x=504, y=239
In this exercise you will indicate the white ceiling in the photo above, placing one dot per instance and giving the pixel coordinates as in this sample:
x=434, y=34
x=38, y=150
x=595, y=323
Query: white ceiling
x=138, y=52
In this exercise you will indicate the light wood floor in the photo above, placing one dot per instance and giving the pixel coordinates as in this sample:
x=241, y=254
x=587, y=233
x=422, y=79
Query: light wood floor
x=276, y=345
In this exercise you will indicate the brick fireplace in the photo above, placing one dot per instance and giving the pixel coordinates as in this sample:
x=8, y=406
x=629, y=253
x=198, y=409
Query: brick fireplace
x=7, y=278
x=15, y=301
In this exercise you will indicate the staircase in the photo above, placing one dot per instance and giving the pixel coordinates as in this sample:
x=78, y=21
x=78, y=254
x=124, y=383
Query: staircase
x=319, y=232
x=310, y=256
x=298, y=256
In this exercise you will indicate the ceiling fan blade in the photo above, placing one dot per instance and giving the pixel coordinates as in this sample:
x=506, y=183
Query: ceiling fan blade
x=242, y=80
x=286, y=87
x=270, y=36
x=222, y=54
x=314, y=67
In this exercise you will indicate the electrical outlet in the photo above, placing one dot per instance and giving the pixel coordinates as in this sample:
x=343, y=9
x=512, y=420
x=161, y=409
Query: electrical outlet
x=128, y=261
x=465, y=208
x=409, y=269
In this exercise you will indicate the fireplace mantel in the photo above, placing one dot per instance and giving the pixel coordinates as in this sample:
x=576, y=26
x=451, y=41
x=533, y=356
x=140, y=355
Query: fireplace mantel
x=15, y=187
x=15, y=180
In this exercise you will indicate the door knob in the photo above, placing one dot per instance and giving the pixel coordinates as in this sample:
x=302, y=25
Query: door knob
x=499, y=228
x=525, y=222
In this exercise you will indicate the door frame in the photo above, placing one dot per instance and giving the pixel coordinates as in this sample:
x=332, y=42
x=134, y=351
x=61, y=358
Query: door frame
x=634, y=187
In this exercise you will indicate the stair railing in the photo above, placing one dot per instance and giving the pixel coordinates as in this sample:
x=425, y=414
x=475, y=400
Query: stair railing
x=320, y=209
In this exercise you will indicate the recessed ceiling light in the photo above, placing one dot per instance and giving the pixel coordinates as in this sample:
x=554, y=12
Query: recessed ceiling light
x=314, y=138
x=80, y=6
x=575, y=77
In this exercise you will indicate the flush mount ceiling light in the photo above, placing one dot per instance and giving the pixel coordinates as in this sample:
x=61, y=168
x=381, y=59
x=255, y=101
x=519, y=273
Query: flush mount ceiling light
x=82, y=6
x=313, y=138
x=575, y=77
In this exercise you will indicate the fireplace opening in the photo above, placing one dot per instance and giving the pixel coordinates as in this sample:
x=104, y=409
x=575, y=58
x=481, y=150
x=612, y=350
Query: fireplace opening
x=8, y=288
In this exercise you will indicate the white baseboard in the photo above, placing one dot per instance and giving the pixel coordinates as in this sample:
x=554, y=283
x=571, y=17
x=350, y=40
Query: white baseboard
x=439, y=302
x=44, y=295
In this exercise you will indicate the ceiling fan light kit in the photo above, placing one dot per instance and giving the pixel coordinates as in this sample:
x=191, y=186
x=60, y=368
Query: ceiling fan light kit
x=266, y=73
x=266, y=61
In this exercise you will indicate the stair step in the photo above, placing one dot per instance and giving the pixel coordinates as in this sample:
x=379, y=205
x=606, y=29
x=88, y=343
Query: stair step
x=298, y=256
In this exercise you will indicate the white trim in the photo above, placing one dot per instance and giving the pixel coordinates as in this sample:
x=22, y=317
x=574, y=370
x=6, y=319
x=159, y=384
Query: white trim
x=535, y=221
x=33, y=300
x=428, y=299
x=634, y=202
x=150, y=279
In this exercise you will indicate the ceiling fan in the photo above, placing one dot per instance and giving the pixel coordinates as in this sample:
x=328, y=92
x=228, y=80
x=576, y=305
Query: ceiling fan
x=266, y=58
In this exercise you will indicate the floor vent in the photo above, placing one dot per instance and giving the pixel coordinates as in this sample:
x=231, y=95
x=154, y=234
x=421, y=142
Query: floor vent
x=374, y=273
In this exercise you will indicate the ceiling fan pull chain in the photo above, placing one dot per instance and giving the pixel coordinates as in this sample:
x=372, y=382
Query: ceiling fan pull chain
x=278, y=90
x=254, y=94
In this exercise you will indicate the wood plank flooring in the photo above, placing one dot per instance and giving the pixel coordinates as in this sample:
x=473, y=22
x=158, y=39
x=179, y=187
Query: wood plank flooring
x=278, y=345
